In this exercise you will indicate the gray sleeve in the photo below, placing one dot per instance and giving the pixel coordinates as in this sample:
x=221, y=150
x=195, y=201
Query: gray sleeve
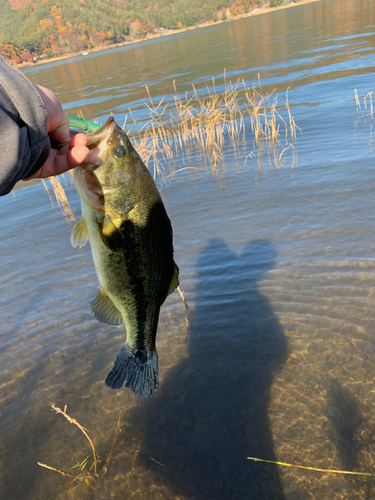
x=25, y=144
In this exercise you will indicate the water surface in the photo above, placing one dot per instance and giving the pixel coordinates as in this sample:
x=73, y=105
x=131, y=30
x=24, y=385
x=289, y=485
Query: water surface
x=277, y=264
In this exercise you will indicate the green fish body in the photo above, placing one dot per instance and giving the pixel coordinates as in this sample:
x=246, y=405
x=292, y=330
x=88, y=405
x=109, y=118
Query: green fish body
x=130, y=235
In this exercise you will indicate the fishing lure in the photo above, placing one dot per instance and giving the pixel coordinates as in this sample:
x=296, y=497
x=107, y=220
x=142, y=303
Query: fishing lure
x=81, y=124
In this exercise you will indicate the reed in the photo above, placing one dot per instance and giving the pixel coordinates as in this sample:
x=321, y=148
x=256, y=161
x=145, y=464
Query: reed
x=208, y=124
x=81, y=471
x=204, y=124
x=60, y=196
x=316, y=469
x=368, y=97
x=365, y=117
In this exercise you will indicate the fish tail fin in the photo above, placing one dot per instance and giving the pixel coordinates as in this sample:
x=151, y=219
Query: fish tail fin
x=139, y=370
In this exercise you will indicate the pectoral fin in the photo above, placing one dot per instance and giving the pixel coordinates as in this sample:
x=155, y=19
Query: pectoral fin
x=105, y=311
x=80, y=234
x=174, y=283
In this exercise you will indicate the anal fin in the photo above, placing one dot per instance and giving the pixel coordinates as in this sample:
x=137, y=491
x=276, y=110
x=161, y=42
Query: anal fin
x=105, y=310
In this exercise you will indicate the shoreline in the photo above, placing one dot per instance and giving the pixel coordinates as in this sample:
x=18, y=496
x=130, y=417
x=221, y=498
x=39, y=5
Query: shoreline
x=259, y=11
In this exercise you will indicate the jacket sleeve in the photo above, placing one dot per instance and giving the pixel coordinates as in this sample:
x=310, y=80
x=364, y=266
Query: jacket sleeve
x=25, y=144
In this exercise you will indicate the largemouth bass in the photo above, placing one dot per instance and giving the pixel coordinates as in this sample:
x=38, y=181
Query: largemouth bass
x=130, y=235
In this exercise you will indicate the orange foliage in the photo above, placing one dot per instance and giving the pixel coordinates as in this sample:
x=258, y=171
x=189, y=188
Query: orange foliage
x=45, y=24
x=83, y=28
x=55, y=10
x=8, y=50
x=45, y=1
x=101, y=35
x=237, y=8
x=180, y=25
x=63, y=30
x=18, y=4
x=58, y=20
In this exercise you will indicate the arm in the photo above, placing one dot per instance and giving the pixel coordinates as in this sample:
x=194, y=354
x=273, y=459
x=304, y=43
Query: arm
x=29, y=116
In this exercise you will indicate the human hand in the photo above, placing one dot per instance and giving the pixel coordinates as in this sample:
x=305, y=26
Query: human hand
x=71, y=154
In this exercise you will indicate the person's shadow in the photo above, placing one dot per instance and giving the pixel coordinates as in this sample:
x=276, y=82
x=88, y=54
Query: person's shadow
x=212, y=410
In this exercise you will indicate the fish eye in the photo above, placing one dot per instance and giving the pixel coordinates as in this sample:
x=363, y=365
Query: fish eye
x=119, y=151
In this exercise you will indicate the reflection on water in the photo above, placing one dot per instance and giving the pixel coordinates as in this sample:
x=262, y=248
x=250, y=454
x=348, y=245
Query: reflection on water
x=278, y=361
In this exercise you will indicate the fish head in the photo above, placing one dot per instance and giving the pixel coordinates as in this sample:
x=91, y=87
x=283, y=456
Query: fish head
x=108, y=179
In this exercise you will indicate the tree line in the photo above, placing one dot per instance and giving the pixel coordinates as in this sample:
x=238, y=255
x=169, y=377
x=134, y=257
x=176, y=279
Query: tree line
x=30, y=30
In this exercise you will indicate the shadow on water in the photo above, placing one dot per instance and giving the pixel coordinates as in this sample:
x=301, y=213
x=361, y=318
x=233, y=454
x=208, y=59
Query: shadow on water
x=212, y=409
x=345, y=420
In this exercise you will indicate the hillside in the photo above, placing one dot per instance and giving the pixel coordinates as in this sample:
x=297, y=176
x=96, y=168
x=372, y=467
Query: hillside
x=32, y=29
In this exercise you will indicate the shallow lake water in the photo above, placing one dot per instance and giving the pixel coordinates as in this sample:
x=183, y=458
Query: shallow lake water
x=277, y=360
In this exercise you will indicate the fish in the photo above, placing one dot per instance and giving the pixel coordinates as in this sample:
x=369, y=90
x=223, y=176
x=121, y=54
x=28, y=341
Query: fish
x=131, y=239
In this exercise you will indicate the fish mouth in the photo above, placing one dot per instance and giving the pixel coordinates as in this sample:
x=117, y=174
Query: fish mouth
x=98, y=143
x=98, y=136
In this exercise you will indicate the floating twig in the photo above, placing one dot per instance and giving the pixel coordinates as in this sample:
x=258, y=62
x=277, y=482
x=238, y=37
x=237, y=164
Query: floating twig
x=81, y=428
x=54, y=469
x=153, y=459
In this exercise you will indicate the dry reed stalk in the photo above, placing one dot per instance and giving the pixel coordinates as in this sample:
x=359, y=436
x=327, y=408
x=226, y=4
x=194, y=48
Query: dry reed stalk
x=54, y=469
x=90, y=479
x=49, y=195
x=357, y=101
x=311, y=468
x=205, y=124
x=61, y=198
x=186, y=305
x=369, y=95
x=362, y=116
x=82, y=429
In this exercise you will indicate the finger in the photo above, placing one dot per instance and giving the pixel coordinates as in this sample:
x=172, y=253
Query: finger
x=63, y=147
x=78, y=140
x=77, y=155
x=61, y=132
x=58, y=163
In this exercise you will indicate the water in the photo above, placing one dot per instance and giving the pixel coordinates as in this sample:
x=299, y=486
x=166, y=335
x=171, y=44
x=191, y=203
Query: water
x=277, y=265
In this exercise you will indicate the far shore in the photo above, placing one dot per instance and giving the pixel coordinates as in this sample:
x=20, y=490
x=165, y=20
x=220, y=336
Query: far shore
x=259, y=11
